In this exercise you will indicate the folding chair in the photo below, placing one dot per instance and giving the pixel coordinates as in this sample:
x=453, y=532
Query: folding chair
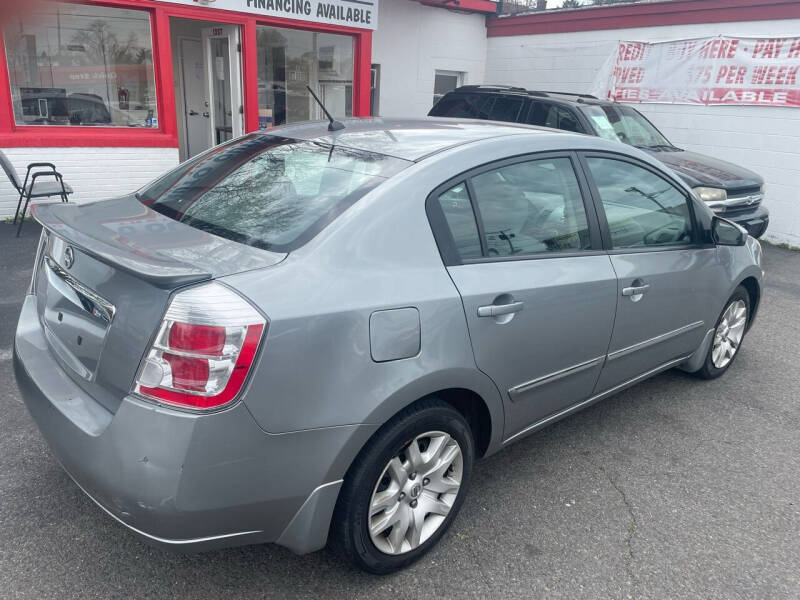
x=30, y=189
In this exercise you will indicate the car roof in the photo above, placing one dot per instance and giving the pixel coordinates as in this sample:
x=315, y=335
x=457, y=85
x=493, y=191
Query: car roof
x=509, y=90
x=408, y=139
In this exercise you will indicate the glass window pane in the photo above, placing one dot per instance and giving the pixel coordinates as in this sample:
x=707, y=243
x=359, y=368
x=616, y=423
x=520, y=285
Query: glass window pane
x=445, y=81
x=642, y=209
x=567, y=121
x=506, y=109
x=467, y=106
x=267, y=191
x=290, y=59
x=461, y=221
x=76, y=64
x=538, y=114
x=532, y=207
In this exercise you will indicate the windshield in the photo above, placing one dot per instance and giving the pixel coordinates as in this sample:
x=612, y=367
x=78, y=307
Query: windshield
x=267, y=191
x=624, y=124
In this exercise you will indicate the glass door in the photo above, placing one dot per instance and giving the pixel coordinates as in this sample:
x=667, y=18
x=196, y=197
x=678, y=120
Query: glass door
x=223, y=73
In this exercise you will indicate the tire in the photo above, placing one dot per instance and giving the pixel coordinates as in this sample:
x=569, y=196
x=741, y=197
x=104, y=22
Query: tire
x=372, y=481
x=710, y=368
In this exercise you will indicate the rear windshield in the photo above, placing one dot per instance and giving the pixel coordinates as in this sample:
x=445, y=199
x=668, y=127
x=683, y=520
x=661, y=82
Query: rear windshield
x=267, y=191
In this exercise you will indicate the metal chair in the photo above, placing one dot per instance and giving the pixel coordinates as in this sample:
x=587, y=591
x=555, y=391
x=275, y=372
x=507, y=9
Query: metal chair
x=28, y=189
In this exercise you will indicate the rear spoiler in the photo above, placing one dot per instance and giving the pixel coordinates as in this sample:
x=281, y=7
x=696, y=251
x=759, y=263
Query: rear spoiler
x=64, y=220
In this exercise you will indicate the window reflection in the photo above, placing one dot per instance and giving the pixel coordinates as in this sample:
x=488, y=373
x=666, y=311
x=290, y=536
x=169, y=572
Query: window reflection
x=290, y=59
x=73, y=64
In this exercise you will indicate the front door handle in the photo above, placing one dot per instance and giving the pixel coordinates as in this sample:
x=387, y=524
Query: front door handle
x=496, y=310
x=635, y=290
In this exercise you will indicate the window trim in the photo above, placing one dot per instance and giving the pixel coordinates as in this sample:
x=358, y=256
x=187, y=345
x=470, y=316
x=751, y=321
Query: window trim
x=444, y=238
x=608, y=245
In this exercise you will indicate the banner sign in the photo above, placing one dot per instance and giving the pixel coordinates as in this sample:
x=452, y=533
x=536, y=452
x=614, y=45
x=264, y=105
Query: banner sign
x=718, y=70
x=361, y=14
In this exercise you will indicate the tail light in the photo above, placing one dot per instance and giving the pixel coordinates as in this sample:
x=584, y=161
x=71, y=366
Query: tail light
x=204, y=349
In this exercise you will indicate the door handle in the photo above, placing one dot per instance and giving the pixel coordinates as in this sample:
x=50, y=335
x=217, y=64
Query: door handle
x=496, y=310
x=635, y=290
x=193, y=113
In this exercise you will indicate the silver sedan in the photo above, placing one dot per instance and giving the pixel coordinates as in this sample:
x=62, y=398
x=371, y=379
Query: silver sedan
x=307, y=331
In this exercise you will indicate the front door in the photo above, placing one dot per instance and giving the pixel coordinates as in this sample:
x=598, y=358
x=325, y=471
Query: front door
x=538, y=292
x=666, y=278
x=223, y=75
x=197, y=115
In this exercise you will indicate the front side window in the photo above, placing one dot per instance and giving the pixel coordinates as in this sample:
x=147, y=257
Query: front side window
x=76, y=64
x=641, y=208
x=531, y=207
x=625, y=124
x=545, y=114
x=290, y=59
x=267, y=191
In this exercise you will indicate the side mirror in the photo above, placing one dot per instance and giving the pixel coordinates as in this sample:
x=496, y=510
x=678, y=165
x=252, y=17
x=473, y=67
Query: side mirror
x=726, y=233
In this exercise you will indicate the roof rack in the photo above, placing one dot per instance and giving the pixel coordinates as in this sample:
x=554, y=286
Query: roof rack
x=493, y=87
x=570, y=94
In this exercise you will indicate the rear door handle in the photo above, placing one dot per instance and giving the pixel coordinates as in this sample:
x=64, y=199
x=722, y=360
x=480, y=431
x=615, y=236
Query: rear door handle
x=635, y=290
x=496, y=310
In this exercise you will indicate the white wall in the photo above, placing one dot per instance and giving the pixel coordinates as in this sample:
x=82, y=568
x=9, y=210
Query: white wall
x=94, y=173
x=765, y=139
x=413, y=41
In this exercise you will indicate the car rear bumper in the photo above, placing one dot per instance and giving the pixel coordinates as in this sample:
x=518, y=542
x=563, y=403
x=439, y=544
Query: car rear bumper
x=755, y=221
x=186, y=481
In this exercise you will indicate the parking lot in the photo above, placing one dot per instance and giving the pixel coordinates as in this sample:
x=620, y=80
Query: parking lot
x=676, y=488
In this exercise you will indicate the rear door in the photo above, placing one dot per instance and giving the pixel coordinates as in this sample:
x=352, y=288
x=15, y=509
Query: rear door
x=538, y=292
x=666, y=276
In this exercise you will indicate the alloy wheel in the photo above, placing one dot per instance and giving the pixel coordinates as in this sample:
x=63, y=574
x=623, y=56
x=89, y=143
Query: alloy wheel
x=415, y=492
x=729, y=334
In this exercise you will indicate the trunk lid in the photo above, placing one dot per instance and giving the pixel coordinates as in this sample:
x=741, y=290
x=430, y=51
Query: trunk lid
x=105, y=279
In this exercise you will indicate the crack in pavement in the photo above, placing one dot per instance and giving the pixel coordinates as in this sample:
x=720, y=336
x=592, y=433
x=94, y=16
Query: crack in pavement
x=632, y=526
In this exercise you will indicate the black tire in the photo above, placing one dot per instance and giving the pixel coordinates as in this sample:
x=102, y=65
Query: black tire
x=708, y=370
x=349, y=528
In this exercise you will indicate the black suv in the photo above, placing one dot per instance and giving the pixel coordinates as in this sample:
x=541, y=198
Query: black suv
x=729, y=190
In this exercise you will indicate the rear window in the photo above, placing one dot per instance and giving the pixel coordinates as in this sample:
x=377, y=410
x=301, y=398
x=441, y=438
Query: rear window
x=267, y=191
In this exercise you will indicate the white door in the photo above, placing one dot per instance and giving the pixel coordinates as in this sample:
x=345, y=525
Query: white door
x=223, y=72
x=197, y=116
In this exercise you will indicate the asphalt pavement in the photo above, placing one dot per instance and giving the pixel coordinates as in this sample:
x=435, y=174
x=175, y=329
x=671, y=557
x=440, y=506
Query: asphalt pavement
x=676, y=488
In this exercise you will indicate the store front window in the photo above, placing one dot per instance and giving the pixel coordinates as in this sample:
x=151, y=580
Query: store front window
x=290, y=59
x=75, y=64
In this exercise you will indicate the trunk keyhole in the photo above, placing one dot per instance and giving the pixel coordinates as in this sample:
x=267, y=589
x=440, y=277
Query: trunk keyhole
x=80, y=340
x=60, y=317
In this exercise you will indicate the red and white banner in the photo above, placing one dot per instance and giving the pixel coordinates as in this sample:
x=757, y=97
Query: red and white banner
x=718, y=70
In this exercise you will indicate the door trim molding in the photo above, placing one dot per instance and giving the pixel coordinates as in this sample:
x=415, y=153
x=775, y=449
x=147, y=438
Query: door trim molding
x=520, y=389
x=655, y=340
x=596, y=398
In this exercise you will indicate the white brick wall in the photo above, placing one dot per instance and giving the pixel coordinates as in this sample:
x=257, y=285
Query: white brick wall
x=765, y=139
x=94, y=173
x=413, y=41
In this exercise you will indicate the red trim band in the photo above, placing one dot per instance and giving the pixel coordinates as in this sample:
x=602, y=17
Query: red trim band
x=481, y=6
x=649, y=14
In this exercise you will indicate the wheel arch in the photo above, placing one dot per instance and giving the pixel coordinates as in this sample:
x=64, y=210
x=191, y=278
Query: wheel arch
x=753, y=287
